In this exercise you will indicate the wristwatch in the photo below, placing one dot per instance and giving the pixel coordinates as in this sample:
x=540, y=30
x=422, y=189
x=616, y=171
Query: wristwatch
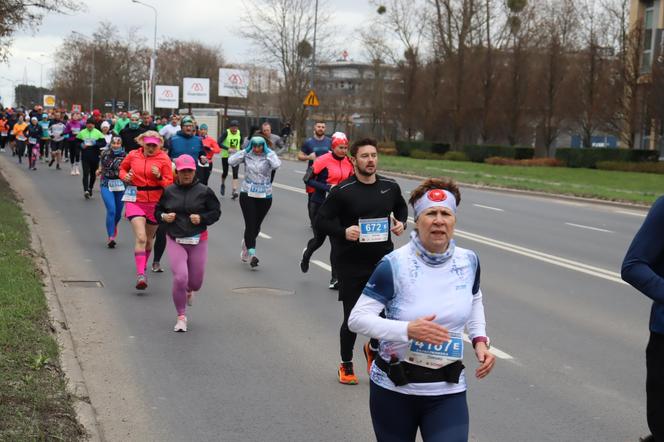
x=484, y=339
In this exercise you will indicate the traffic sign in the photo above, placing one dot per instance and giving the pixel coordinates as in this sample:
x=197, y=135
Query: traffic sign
x=49, y=100
x=119, y=104
x=108, y=104
x=76, y=107
x=311, y=99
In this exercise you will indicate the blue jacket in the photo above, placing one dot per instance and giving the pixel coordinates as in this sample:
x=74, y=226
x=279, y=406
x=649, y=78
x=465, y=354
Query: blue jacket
x=643, y=266
x=181, y=144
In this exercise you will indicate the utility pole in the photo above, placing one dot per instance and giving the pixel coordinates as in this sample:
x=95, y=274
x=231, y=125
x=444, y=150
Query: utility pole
x=153, y=60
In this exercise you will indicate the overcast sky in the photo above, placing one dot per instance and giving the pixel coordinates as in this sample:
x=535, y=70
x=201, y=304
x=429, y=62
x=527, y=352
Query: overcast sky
x=210, y=21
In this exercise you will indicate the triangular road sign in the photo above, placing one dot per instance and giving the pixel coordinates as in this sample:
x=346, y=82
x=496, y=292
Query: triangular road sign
x=311, y=99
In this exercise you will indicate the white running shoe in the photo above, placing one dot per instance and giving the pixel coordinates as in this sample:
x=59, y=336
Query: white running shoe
x=73, y=171
x=244, y=255
x=181, y=325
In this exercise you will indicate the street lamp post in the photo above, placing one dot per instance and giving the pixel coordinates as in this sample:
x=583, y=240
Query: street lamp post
x=41, y=70
x=153, y=57
x=92, y=79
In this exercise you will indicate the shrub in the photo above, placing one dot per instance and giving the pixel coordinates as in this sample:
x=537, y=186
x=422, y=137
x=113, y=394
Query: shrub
x=589, y=157
x=387, y=148
x=478, y=153
x=456, y=156
x=534, y=162
x=405, y=147
x=645, y=167
x=423, y=155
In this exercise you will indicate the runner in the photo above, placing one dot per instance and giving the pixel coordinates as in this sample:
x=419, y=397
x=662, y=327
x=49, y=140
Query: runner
x=121, y=122
x=430, y=292
x=170, y=129
x=185, y=210
x=211, y=148
x=130, y=132
x=229, y=141
x=146, y=172
x=21, y=139
x=45, y=139
x=256, y=191
x=73, y=128
x=328, y=171
x=356, y=215
x=33, y=132
x=112, y=187
x=56, y=130
x=314, y=147
x=91, y=141
x=4, y=131
x=274, y=141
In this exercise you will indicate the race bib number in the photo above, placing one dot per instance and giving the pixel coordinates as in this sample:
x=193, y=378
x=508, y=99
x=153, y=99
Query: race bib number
x=203, y=165
x=32, y=140
x=3, y=133
x=257, y=191
x=374, y=230
x=190, y=240
x=130, y=194
x=21, y=137
x=433, y=356
x=89, y=142
x=75, y=130
x=116, y=186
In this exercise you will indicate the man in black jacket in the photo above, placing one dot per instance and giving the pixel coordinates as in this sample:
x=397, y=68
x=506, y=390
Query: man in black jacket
x=359, y=215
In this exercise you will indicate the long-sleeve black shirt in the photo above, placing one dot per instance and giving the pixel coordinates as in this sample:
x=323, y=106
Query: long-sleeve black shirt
x=350, y=201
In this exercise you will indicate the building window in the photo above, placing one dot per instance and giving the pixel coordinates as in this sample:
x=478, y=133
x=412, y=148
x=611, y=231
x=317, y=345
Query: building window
x=648, y=36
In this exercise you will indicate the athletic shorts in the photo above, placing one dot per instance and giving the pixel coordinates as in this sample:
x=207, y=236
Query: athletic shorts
x=56, y=145
x=145, y=210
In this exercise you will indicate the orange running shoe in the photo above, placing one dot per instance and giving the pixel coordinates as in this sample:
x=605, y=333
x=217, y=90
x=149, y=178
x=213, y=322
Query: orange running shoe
x=346, y=374
x=370, y=355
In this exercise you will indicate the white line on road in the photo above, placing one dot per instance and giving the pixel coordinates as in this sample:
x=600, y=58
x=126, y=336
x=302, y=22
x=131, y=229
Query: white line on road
x=263, y=235
x=488, y=207
x=496, y=352
x=301, y=172
x=581, y=226
x=626, y=212
x=322, y=265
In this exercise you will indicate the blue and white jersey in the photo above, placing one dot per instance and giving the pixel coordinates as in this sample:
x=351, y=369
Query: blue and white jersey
x=409, y=289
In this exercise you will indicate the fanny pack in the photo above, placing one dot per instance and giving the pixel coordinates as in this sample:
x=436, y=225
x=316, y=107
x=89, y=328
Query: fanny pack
x=402, y=373
x=149, y=188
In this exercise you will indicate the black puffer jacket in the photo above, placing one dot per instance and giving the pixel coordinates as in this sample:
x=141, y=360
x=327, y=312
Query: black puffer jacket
x=197, y=198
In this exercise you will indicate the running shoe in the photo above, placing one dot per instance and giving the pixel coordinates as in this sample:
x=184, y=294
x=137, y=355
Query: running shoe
x=346, y=374
x=73, y=171
x=235, y=195
x=181, y=324
x=304, y=263
x=369, y=355
x=156, y=267
x=50, y=163
x=141, y=282
x=222, y=190
x=86, y=194
x=244, y=254
x=254, y=262
x=57, y=167
x=190, y=298
x=2, y=150
x=111, y=243
x=334, y=284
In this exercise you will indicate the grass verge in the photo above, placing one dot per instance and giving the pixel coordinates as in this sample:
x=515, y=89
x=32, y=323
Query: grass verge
x=643, y=188
x=34, y=402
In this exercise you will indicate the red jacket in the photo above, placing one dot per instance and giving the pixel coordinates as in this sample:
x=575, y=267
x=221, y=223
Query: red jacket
x=211, y=147
x=149, y=187
x=329, y=170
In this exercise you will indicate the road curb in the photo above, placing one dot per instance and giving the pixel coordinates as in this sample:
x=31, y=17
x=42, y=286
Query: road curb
x=69, y=362
x=579, y=199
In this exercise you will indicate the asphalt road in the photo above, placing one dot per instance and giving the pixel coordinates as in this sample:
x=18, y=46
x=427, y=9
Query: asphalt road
x=260, y=365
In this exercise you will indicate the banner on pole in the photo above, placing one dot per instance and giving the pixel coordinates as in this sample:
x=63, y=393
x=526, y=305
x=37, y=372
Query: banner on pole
x=167, y=97
x=49, y=100
x=233, y=83
x=195, y=90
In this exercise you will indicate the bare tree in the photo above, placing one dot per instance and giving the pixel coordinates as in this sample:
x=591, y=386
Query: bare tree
x=282, y=32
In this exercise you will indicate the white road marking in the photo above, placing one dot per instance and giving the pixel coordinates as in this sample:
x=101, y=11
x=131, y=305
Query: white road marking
x=287, y=187
x=626, y=212
x=322, y=265
x=263, y=235
x=301, y=172
x=488, y=207
x=496, y=352
x=581, y=226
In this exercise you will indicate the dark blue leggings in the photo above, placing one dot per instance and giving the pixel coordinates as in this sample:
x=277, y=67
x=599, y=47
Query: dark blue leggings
x=396, y=417
x=114, y=204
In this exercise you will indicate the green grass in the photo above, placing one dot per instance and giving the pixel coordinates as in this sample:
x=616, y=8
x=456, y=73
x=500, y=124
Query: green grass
x=632, y=187
x=34, y=404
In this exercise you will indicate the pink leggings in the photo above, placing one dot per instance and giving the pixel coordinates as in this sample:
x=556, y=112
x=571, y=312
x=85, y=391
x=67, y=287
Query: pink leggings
x=188, y=267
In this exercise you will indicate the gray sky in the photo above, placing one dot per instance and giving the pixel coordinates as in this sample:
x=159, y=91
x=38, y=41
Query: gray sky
x=210, y=21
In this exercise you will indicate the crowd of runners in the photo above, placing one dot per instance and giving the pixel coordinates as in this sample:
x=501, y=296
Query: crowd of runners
x=415, y=302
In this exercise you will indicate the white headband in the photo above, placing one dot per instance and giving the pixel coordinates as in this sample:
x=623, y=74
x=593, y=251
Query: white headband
x=435, y=198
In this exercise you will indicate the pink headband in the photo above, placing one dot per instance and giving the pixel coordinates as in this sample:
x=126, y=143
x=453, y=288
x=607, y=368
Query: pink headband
x=435, y=198
x=152, y=140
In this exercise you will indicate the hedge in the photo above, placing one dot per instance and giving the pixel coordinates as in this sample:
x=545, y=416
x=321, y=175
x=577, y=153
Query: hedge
x=589, y=157
x=405, y=147
x=478, y=153
x=643, y=166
